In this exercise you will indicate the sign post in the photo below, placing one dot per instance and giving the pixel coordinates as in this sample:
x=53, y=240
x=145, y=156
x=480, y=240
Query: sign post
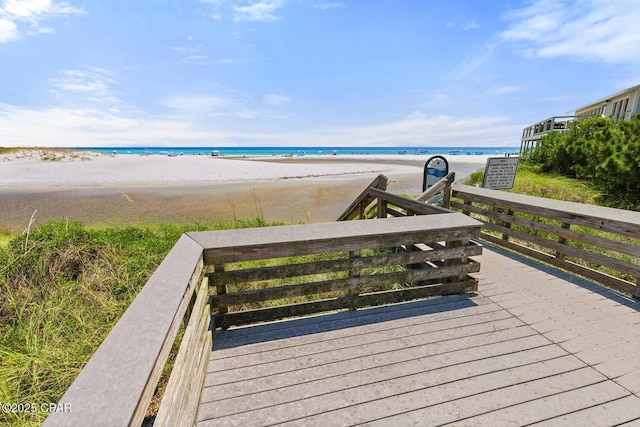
x=500, y=173
x=435, y=169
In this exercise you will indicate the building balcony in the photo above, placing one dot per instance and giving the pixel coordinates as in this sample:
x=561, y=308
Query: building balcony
x=540, y=129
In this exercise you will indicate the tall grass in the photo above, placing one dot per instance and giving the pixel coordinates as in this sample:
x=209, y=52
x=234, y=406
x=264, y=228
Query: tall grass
x=530, y=181
x=62, y=293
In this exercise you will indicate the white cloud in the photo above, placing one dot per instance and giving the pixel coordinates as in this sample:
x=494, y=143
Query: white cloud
x=244, y=10
x=233, y=60
x=26, y=8
x=276, y=100
x=55, y=126
x=422, y=130
x=472, y=62
x=467, y=25
x=210, y=105
x=103, y=127
x=8, y=30
x=471, y=24
x=328, y=5
x=589, y=30
x=31, y=13
x=61, y=127
x=259, y=11
x=503, y=89
x=90, y=83
x=42, y=30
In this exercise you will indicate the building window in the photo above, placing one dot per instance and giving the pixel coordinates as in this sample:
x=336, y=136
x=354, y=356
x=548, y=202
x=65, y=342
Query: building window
x=623, y=110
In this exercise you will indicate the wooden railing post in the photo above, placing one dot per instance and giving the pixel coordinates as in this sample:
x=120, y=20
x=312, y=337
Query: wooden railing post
x=563, y=240
x=382, y=208
x=505, y=236
x=354, y=272
x=446, y=197
x=456, y=261
x=221, y=289
x=467, y=202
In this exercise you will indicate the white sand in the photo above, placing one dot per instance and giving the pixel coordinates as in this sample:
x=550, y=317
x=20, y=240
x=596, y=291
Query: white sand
x=30, y=170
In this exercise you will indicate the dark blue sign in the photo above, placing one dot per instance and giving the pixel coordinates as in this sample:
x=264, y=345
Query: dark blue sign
x=435, y=169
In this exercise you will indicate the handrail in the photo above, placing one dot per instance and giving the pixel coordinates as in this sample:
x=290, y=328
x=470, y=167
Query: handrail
x=446, y=265
x=442, y=187
x=562, y=231
x=117, y=384
x=374, y=201
x=358, y=206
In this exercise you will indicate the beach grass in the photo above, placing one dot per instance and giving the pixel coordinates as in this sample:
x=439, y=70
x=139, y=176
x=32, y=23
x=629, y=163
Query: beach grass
x=63, y=290
x=47, y=154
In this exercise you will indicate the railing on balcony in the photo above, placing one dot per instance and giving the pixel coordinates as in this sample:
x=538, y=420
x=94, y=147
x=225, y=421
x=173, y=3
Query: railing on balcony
x=558, y=123
x=360, y=263
x=531, y=135
x=561, y=233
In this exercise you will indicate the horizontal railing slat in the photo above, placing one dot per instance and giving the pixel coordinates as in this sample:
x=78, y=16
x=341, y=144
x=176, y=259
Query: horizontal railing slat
x=601, y=242
x=415, y=206
x=349, y=283
x=342, y=264
x=385, y=297
x=251, y=244
x=579, y=253
x=617, y=221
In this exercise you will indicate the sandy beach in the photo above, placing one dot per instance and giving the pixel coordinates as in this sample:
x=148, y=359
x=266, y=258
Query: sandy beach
x=127, y=189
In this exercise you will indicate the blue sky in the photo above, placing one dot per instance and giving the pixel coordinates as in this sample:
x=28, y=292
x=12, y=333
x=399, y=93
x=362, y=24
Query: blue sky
x=305, y=72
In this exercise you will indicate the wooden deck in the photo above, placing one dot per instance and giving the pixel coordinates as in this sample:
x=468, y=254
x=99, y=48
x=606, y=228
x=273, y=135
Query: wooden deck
x=533, y=346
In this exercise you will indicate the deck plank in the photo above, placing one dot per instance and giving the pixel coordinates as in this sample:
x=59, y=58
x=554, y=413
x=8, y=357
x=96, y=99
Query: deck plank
x=615, y=412
x=535, y=346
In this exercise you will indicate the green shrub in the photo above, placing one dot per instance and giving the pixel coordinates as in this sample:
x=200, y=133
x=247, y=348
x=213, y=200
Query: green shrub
x=596, y=149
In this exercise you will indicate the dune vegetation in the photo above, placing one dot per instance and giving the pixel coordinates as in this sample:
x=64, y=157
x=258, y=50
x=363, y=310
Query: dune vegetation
x=63, y=288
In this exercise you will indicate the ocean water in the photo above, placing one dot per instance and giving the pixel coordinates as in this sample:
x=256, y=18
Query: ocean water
x=302, y=151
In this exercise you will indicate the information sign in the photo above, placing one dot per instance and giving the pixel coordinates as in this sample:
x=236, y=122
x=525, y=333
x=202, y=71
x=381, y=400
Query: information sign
x=500, y=173
x=435, y=169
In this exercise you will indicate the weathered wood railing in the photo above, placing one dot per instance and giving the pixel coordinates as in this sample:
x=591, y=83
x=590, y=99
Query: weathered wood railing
x=560, y=233
x=359, y=262
x=376, y=202
x=116, y=386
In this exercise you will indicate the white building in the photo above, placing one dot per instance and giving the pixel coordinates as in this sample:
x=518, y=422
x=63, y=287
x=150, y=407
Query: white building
x=623, y=105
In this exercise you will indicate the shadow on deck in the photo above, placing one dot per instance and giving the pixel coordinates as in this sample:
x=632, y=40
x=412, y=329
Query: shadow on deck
x=533, y=346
